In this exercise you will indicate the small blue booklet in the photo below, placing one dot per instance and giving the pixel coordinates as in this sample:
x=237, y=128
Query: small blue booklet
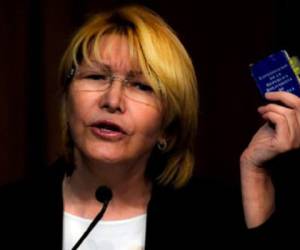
x=275, y=73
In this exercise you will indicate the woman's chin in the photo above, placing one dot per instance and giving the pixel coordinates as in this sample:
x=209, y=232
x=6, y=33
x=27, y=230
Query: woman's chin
x=106, y=157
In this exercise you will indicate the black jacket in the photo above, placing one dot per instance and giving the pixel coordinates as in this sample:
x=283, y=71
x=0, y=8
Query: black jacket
x=202, y=215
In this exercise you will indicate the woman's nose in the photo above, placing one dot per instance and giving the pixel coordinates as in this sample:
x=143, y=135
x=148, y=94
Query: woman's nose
x=113, y=99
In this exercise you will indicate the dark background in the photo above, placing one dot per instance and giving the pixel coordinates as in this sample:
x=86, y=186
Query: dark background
x=222, y=37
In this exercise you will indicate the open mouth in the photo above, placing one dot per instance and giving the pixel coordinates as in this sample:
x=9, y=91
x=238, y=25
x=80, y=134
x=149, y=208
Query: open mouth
x=106, y=126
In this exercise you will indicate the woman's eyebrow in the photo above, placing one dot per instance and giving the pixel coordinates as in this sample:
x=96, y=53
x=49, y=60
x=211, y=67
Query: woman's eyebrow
x=106, y=67
x=134, y=73
x=96, y=65
x=101, y=65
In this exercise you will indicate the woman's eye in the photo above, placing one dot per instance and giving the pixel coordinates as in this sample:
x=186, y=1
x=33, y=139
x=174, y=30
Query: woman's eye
x=95, y=77
x=142, y=86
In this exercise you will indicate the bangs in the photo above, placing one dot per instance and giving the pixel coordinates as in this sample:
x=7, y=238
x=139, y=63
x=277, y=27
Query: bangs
x=89, y=52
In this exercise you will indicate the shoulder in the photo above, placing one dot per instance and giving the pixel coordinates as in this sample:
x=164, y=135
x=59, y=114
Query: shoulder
x=34, y=187
x=202, y=194
x=211, y=206
x=202, y=187
x=34, y=202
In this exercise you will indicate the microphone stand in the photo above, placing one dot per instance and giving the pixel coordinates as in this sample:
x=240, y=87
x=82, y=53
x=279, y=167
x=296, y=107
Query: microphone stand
x=104, y=195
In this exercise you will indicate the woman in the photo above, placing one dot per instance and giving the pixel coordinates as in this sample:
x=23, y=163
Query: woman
x=123, y=104
x=129, y=118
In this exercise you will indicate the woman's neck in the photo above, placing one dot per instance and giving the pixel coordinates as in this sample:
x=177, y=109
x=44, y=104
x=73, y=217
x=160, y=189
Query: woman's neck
x=131, y=190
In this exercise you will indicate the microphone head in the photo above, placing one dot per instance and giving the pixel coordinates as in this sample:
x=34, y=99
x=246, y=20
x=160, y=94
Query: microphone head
x=103, y=194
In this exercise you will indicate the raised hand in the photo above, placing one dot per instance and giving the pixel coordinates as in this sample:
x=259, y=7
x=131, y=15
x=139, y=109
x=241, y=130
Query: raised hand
x=280, y=134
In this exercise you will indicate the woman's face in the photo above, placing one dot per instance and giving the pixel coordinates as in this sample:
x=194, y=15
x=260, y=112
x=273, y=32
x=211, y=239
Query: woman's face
x=113, y=114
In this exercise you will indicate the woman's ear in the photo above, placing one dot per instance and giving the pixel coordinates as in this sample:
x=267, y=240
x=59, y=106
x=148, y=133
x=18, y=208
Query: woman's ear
x=162, y=144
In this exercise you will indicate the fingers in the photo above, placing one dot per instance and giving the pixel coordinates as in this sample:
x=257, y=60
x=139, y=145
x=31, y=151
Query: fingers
x=291, y=108
x=292, y=116
x=286, y=135
x=286, y=118
x=286, y=98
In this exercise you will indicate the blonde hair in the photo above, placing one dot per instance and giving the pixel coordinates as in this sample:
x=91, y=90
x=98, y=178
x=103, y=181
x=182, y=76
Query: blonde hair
x=168, y=68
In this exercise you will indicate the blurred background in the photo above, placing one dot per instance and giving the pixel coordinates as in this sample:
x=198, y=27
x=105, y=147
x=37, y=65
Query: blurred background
x=222, y=37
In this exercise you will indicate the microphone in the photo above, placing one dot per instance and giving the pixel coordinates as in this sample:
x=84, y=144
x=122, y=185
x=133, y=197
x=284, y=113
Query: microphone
x=104, y=195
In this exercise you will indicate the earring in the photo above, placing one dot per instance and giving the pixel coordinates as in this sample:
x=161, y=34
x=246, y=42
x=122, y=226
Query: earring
x=162, y=145
x=70, y=74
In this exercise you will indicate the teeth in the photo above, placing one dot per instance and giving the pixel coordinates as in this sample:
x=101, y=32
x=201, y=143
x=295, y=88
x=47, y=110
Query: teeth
x=108, y=127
